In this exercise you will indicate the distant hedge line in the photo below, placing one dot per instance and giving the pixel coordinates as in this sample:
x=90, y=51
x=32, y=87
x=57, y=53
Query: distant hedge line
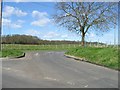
x=27, y=39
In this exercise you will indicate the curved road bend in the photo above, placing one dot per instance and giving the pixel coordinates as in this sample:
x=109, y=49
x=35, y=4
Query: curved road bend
x=51, y=69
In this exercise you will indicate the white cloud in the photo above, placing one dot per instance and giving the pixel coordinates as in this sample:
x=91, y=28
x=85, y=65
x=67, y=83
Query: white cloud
x=41, y=18
x=40, y=15
x=41, y=22
x=8, y=23
x=19, y=1
x=91, y=35
x=14, y=25
x=19, y=12
x=64, y=36
x=51, y=35
x=33, y=32
x=9, y=10
x=20, y=21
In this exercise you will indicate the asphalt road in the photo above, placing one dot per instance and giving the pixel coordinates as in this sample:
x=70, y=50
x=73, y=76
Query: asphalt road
x=51, y=69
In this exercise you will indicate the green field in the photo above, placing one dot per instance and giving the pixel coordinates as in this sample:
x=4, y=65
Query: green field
x=12, y=50
x=106, y=56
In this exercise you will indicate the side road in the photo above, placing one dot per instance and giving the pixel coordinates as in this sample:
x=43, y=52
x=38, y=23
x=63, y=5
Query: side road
x=51, y=69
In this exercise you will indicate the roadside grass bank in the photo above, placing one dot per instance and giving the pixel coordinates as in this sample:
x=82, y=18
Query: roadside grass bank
x=107, y=57
x=12, y=53
x=13, y=50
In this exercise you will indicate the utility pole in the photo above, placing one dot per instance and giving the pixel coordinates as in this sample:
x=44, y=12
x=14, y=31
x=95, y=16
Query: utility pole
x=98, y=43
x=114, y=37
x=0, y=42
x=1, y=24
x=90, y=43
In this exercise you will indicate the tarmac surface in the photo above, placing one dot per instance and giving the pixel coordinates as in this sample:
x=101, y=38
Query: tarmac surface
x=51, y=69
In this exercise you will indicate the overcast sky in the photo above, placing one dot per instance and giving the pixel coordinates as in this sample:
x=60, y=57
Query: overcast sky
x=36, y=19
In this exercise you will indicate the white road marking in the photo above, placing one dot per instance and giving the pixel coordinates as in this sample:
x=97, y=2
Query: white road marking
x=36, y=54
x=16, y=70
x=86, y=86
x=49, y=78
x=71, y=83
x=7, y=68
x=49, y=52
x=11, y=69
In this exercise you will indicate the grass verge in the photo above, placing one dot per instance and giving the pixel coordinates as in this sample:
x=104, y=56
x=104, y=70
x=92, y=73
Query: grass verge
x=103, y=56
x=11, y=53
x=13, y=50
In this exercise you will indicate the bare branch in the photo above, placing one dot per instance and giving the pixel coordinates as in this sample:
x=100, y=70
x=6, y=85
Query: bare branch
x=80, y=16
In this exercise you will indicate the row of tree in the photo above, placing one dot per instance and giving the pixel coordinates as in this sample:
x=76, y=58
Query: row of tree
x=20, y=39
x=27, y=39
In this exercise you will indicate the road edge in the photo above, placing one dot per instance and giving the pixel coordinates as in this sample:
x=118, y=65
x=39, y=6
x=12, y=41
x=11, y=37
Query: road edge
x=20, y=56
x=23, y=55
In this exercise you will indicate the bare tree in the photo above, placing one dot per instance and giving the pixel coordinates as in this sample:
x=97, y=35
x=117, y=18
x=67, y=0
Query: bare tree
x=81, y=16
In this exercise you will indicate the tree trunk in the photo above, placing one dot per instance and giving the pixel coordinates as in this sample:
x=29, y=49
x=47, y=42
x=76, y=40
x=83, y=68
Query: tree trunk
x=83, y=39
